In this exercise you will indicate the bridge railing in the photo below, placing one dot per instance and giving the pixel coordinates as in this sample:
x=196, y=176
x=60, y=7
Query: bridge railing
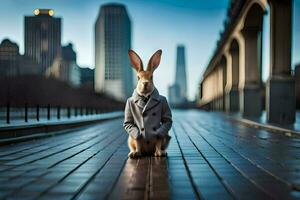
x=9, y=114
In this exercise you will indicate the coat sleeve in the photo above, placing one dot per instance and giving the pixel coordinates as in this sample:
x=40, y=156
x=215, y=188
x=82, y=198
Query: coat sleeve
x=129, y=124
x=166, y=119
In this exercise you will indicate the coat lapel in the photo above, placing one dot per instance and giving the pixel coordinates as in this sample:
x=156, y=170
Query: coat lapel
x=137, y=100
x=153, y=101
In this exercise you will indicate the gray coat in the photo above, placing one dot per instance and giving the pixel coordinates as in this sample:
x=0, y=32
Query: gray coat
x=147, y=120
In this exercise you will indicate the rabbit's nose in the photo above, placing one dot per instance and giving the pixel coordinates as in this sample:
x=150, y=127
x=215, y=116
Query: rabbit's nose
x=145, y=84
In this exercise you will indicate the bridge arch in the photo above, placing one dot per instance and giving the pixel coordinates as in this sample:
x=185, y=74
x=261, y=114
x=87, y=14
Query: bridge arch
x=241, y=44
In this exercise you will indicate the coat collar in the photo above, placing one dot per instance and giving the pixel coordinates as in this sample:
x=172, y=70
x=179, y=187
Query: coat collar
x=154, y=95
x=153, y=100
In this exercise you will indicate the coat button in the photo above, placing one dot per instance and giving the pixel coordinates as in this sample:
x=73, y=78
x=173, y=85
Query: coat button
x=142, y=129
x=154, y=114
x=154, y=128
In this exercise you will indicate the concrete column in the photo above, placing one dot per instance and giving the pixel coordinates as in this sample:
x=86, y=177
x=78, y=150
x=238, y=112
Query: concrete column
x=221, y=86
x=224, y=78
x=232, y=96
x=297, y=86
x=280, y=91
x=215, y=81
x=201, y=90
x=251, y=94
x=217, y=88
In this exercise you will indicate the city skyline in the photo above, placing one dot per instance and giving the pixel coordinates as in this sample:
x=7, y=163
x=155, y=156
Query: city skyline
x=44, y=53
x=204, y=21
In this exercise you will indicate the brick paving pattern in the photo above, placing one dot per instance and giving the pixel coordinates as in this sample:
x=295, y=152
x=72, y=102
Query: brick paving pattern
x=209, y=157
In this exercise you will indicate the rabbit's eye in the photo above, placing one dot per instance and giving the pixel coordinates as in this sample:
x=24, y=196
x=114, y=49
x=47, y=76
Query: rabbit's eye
x=151, y=77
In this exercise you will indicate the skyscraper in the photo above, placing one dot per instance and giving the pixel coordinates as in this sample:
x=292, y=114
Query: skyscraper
x=113, y=74
x=178, y=91
x=180, y=77
x=42, y=37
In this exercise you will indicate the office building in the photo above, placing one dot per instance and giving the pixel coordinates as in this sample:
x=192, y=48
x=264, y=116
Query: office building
x=13, y=64
x=9, y=58
x=42, y=37
x=113, y=74
x=178, y=91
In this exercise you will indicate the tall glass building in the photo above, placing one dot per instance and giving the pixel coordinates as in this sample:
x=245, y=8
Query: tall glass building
x=180, y=77
x=113, y=74
x=178, y=91
x=42, y=37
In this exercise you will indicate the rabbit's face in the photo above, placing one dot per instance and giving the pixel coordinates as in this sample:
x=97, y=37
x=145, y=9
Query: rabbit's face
x=145, y=84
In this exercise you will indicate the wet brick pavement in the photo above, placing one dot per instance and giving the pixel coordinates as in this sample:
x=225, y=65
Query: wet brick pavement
x=209, y=157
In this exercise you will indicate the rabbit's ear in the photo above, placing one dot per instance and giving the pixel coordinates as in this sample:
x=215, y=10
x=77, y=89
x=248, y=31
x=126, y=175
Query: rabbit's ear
x=135, y=60
x=154, y=61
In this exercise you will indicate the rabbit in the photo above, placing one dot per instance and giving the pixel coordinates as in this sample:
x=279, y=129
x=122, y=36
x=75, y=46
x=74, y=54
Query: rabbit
x=147, y=117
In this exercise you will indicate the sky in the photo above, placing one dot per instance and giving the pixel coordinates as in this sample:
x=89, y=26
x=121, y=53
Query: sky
x=156, y=24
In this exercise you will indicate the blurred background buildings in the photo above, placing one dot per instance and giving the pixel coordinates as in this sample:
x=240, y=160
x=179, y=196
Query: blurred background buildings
x=42, y=37
x=44, y=55
x=64, y=66
x=12, y=63
x=41, y=52
x=48, y=73
x=178, y=91
x=113, y=74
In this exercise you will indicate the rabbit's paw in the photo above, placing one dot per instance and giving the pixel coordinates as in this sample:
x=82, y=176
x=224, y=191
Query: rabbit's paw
x=160, y=153
x=134, y=154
